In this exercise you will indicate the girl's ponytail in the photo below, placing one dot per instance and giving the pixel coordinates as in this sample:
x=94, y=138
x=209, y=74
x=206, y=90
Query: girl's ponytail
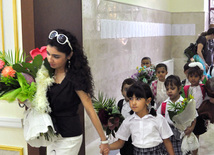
x=149, y=94
x=152, y=109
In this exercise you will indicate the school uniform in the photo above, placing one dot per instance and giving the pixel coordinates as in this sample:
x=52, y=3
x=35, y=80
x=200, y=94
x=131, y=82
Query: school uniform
x=147, y=133
x=175, y=139
x=159, y=92
x=64, y=103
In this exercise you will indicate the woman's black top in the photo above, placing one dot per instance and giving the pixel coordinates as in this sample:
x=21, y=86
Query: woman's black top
x=64, y=103
x=206, y=53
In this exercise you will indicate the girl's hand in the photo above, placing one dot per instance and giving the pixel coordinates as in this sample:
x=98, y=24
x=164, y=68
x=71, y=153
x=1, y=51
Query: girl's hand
x=188, y=131
x=104, y=149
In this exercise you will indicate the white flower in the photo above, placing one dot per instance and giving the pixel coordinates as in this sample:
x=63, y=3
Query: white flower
x=43, y=81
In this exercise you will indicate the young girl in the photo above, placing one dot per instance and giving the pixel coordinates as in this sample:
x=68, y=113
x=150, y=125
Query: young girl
x=147, y=129
x=195, y=73
x=173, y=88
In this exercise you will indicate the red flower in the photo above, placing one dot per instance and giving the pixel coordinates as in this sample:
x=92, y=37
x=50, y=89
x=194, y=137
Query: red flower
x=37, y=51
x=8, y=71
x=103, y=116
x=2, y=63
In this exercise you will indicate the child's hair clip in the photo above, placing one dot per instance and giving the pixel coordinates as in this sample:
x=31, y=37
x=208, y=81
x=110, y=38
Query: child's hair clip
x=194, y=64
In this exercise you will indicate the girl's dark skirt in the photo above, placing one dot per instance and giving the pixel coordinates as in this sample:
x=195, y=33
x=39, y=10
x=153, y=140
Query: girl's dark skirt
x=157, y=150
x=176, y=145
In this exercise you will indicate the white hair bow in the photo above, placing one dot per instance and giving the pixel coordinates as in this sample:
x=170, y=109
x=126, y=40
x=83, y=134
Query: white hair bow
x=194, y=64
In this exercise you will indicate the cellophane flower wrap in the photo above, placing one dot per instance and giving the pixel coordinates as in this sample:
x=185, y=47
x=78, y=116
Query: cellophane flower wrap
x=146, y=75
x=183, y=114
x=108, y=113
x=28, y=82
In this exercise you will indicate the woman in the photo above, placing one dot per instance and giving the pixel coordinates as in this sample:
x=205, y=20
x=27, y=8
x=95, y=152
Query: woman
x=73, y=85
x=202, y=49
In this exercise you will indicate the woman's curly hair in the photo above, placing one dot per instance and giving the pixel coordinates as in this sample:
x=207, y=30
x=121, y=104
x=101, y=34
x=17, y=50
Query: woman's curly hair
x=78, y=69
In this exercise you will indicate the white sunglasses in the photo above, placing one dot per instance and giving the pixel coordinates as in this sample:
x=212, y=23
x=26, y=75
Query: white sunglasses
x=61, y=38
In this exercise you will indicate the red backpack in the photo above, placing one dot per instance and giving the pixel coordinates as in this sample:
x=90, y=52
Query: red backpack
x=163, y=109
x=186, y=88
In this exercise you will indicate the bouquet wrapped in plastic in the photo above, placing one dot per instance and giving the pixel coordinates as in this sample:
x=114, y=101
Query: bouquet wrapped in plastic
x=182, y=115
x=28, y=82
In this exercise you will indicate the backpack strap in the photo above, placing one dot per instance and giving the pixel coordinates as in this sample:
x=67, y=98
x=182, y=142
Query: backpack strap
x=163, y=109
x=186, y=88
x=120, y=105
x=203, y=90
x=154, y=87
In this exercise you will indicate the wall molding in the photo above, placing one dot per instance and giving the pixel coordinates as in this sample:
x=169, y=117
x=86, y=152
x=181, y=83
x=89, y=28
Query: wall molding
x=130, y=29
x=10, y=122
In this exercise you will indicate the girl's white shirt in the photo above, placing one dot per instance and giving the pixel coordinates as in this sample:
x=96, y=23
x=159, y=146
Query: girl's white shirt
x=167, y=107
x=161, y=93
x=197, y=94
x=148, y=131
x=125, y=109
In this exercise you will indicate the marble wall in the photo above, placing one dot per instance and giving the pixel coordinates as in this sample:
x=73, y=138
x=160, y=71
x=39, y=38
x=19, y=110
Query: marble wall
x=113, y=60
x=179, y=43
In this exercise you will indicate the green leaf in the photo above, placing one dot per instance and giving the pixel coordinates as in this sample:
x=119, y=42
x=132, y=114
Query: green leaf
x=182, y=92
x=21, y=68
x=29, y=68
x=37, y=62
x=11, y=95
x=171, y=114
x=48, y=67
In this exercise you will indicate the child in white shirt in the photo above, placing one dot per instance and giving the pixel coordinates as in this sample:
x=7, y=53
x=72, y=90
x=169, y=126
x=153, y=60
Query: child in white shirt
x=173, y=88
x=157, y=86
x=147, y=129
x=195, y=73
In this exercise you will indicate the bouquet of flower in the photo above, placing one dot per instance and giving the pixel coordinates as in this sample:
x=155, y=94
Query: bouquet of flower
x=183, y=114
x=146, y=75
x=28, y=82
x=108, y=113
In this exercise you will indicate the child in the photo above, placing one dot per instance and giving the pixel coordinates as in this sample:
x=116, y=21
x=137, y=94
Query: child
x=157, y=86
x=195, y=73
x=126, y=111
x=173, y=88
x=146, y=61
x=148, y=130
x=205, y=111
x=123, y=104
x=185, y=81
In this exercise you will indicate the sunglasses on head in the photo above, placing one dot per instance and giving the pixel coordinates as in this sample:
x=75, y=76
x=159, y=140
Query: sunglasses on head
x=61, y=38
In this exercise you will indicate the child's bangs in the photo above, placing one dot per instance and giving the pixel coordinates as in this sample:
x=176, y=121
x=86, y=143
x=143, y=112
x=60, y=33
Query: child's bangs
x=195, y=71
x=137, y=91
x=172, y=82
